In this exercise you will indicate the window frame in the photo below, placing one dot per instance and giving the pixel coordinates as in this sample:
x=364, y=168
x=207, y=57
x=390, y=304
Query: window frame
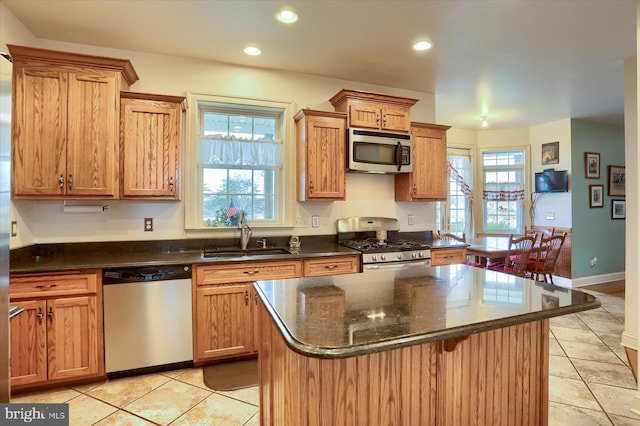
x=191, y=172
x=524, y=168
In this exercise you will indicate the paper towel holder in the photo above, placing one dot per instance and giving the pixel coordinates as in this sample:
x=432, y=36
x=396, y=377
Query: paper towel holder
x=83, y=208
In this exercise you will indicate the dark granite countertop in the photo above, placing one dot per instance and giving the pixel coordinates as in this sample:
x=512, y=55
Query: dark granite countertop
x=98, y=255
x=348, y=315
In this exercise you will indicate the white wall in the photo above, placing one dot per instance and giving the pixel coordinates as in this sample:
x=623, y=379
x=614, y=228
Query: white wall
x=557, y=203
x=44, y=221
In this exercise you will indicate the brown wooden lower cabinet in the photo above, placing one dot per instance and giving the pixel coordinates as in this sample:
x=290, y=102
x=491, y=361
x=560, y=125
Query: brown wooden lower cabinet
x=497, y=377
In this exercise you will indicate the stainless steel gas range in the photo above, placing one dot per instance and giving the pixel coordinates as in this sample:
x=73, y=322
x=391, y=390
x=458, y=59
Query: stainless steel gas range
x=381, y=244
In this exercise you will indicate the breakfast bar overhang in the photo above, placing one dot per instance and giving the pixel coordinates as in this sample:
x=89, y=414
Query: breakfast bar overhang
x=446, y=345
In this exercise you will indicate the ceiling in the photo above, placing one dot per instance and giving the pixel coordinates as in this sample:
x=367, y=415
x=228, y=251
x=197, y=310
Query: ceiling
x=519, y=62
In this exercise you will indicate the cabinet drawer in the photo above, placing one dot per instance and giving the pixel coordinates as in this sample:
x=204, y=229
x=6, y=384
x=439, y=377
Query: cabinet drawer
x=247, y=272
x=45, y=285
x=331, y=266
x=448, y=256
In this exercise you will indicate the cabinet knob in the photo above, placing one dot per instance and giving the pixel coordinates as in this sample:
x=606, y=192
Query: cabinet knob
x=40, y=316
x=70, y=181
x=171, y=184
x=246, y=297
x=61, y=181
x=50, y=314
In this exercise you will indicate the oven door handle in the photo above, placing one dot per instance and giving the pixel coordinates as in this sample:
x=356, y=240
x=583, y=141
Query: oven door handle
x=398, y=265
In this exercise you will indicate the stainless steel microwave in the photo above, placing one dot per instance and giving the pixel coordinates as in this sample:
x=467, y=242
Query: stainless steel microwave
x=372, y=151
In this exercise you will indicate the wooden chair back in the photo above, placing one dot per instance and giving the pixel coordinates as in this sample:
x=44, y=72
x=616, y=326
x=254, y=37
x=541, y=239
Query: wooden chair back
x=549, y=251
x=518, y=255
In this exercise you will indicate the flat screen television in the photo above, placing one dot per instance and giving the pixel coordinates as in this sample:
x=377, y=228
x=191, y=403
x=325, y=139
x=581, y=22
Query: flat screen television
x=552, y=181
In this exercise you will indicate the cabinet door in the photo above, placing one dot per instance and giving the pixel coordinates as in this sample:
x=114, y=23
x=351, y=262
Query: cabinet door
x=39, y=132
x=429, y=178
x=92, y=145
x=223, y=318
x=365, y=114
x=430, y=167
x=150, y=142
x=326, y=158
x=72, y=335
x=28, y=356
x=396, y=119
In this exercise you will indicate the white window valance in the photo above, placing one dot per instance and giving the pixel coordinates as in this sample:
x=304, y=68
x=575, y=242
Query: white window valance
x=229, y=152
x=503, y=191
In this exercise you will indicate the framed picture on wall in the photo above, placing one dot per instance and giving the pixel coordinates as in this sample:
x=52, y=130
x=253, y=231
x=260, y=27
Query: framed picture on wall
x=617, y=178
x=596, y=196
x=550, y=153
x=592, y=165
x=618, y=209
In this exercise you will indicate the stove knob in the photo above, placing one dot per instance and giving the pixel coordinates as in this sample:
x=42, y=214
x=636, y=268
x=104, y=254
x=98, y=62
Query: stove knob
x=383, y=257
x=374, y=258
x=421, y=254
x=414, y=255
x=399, y=256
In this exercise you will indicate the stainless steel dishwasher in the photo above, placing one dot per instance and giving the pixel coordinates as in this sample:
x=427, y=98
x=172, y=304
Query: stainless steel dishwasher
x=147, y=318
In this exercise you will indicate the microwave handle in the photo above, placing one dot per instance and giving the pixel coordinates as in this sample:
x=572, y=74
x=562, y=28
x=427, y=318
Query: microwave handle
x=399, y=155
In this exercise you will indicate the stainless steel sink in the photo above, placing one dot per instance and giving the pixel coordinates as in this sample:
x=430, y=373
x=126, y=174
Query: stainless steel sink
x=231, y=252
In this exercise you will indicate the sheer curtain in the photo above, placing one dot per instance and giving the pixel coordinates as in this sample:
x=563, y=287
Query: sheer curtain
x=460, y=171
x=229, y=152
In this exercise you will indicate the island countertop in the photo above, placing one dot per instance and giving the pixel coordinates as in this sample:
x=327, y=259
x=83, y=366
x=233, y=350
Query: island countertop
x=348, y=315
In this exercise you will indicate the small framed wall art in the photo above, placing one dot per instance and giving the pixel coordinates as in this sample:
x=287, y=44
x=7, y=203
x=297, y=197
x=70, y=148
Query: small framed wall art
x=618, y=209
x=617, y=177
x=550, y=153
x=596, y=195
x=592, y=165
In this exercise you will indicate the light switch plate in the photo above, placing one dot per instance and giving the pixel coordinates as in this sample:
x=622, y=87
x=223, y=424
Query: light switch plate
x=411, y=219
x=550, y=215
x=315, y=221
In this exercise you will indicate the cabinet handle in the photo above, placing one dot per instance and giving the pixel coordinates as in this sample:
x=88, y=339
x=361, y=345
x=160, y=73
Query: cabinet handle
x=171, y=184
x=50, y=314
x=246, y=298
x=70, y=181
x=251, y=272
x=61, y=181
x=331, y=266
x=255, y=297
x=384, y=121
x=47, y=286
x=311, y=186
x=377, y=119
x=40, y=316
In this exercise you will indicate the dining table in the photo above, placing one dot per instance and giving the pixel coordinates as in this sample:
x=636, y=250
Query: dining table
x=485, y=249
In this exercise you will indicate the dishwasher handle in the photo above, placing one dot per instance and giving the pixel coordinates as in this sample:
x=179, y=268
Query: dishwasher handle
x=145, y=274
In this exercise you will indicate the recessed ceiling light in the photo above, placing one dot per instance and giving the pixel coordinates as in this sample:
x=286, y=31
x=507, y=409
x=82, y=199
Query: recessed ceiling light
x=422, y=45
x=287, y=16
x=252, y=50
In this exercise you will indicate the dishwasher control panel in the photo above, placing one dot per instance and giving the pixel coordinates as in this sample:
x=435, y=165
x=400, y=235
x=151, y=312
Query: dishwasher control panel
x=145, y=273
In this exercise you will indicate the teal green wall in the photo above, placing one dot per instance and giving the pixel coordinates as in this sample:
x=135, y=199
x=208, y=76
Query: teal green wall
x=594, y=233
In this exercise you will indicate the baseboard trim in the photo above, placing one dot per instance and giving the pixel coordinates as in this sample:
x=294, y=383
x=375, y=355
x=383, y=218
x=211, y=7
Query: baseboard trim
x=597, y=279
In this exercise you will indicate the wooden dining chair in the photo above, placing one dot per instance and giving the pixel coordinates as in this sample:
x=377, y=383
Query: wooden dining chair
x=544, y=262
x=517, y=258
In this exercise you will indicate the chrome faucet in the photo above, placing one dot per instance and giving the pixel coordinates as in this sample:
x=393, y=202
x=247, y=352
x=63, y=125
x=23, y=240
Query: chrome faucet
x=245, y=230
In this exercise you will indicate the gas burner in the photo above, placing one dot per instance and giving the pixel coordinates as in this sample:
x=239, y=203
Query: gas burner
x=372, y=244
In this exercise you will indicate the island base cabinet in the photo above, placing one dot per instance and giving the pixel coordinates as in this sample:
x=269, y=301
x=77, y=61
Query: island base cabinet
x=497, y=377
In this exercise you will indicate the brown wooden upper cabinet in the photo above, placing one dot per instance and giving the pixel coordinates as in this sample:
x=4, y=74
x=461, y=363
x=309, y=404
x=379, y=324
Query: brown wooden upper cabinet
x=66, y=123
x=150, y=146
x=374, y=111
x=428, y=181
x=321, y=158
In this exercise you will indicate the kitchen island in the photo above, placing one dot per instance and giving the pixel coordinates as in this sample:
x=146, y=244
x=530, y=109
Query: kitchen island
x=447, y=345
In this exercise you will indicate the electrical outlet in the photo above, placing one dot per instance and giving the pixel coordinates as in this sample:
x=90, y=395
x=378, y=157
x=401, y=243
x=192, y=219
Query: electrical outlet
x=148, y=224
x=315, y=221
x=14, y=228
x=301, y=221
x=411, y=219
x=550, y=215
x=593, y=261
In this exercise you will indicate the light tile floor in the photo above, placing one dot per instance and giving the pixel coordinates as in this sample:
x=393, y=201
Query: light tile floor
x=590, y=383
